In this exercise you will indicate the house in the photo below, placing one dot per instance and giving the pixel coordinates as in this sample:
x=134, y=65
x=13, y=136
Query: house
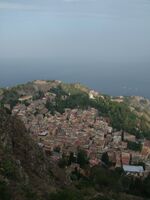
x=146, y=149
x=133, y=170
x=125, y=158
x=43, y=133
x=147, y=166
x=115, y=134
x=124, y=145
x=7, y=106
x=112, y=157
x=118, y=159
x=93, y=94
x=129, y=137
x=25, y=98
x=40, y=144
x=117, y=139
x=136, y=158
x=119, y=99
x=109, y=129
x=94, y=162
x=40, y=82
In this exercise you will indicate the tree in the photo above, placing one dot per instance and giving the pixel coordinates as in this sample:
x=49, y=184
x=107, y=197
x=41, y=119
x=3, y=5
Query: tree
x=146, y=186
x=134, y=146
x=66, y=194
x=4, y=191
x=72, y=158
x=82, y=158
x=105, y=158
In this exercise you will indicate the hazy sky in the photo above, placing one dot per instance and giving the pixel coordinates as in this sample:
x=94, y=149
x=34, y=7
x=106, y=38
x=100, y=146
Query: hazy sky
x=75, y=30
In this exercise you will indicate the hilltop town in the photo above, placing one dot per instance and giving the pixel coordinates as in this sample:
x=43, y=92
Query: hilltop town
x=81, y=132
x=62, y=133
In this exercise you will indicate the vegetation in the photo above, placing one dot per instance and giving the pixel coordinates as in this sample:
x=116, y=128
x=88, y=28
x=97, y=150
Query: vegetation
x=24, y=169
x=8, y=168
x=38, y=95
x=105, y=159
x=67, y=194
x=82, y=158
x=118, y=114
x=10, y=97
x=115, y=181
x=4, y=191
x=76, y=96
x=103, y=184
x=72, y=101
x=134, y=146
x=24, y=172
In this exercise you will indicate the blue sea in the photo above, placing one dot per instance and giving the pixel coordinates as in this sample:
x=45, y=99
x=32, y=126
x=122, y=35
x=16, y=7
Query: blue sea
x=110, y=78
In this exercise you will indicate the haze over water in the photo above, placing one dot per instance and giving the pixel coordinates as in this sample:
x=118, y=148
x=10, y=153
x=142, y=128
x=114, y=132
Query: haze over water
x=104, y=44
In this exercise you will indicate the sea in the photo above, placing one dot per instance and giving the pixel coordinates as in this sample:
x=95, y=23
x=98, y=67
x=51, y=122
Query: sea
x=112, y=78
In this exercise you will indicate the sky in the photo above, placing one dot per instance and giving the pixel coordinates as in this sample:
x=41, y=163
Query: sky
x=102, y=43
x=75, y=30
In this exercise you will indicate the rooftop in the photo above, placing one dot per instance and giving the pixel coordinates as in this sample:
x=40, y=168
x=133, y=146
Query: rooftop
x=132, y=168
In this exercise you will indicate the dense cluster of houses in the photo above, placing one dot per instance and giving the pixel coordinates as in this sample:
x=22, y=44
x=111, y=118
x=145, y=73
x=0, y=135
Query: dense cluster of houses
x=80, y=128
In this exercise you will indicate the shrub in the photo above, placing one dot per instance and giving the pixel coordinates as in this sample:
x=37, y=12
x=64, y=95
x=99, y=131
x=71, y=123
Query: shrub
x=4, y=191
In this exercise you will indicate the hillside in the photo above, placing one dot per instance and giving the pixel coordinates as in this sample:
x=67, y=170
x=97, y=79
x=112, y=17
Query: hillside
x=141, y=106
x=66, y=142
x=25, y=172
x=130, y=114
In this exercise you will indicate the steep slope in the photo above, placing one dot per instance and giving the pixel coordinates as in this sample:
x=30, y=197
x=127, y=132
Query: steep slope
x=24, y=169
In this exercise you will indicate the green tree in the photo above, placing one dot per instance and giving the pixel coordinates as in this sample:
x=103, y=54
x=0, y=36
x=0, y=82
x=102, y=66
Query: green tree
x=105, y=158
x=82, y=158
x=134, y=146
x=72, y=158
x=66, y=194
x=146, y=187
x=4, y=191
